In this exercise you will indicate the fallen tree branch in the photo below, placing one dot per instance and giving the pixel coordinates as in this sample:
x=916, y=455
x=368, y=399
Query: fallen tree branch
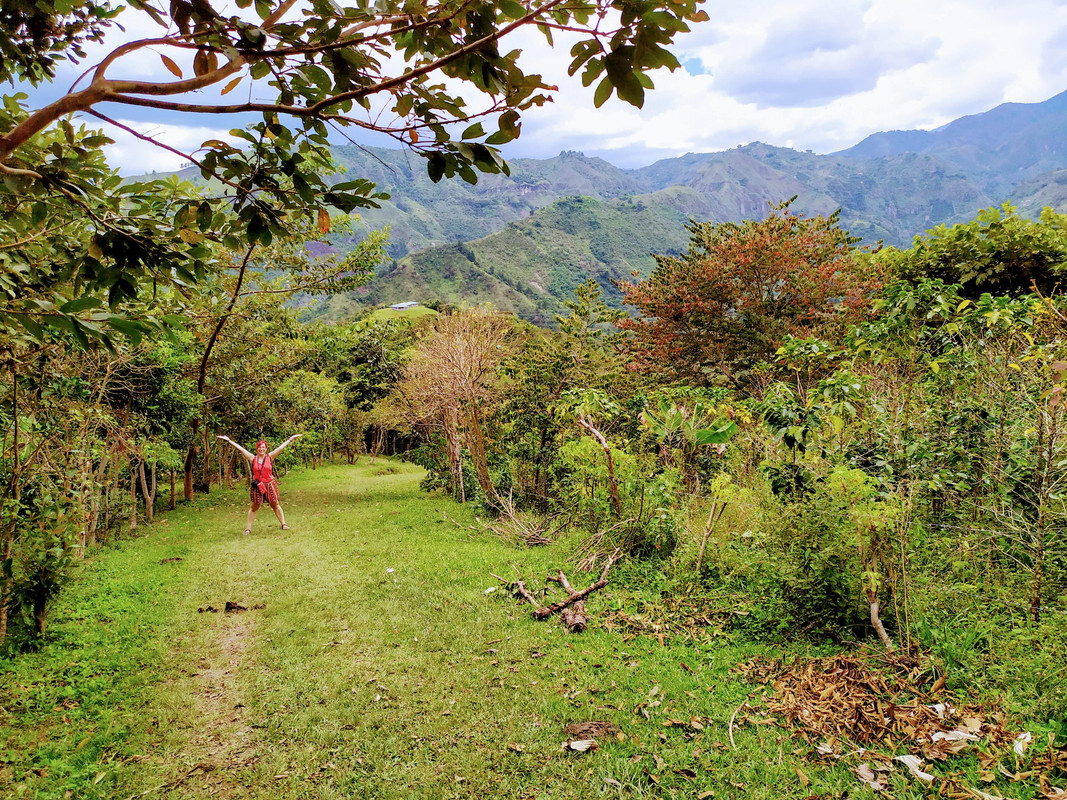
x=548, y=611
x=573, y=607
x=521, y=587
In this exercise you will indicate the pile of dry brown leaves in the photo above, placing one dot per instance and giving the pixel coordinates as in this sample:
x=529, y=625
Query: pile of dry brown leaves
x=671, y=620
x=885, y=711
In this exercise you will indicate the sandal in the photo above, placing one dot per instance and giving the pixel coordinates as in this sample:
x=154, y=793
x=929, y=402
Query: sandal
x=285, y=527
x=247, y=531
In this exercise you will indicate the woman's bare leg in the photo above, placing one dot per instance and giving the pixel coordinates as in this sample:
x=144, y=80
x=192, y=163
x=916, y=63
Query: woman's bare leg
x=277, y=508
x=251, y=517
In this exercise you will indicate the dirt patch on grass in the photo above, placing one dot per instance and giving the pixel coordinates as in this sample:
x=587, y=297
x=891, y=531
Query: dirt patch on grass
x=220, y=743
x=222, y=740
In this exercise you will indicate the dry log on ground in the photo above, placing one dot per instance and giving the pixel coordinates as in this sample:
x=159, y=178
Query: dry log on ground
x=546, y=611
x=574, y=617
x=573, y=607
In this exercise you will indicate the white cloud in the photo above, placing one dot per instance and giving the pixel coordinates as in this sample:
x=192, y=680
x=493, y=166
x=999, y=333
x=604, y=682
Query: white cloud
x=876, y=65
x=134, y=156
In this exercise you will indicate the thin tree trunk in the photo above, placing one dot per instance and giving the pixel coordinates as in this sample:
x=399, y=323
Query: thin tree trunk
x=201, y=382
x=7, y=527
x=172, y=504
x=110, y=481
x=717, y=509
x=613, y=487
x=205, y=472
x=476, y=445
x=149, y=493
x=190, y=459
x=876, y=621
x=133, y=497
x=454, y=454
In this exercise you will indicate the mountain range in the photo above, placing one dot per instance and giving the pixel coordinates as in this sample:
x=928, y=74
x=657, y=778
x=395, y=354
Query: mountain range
x=524, y=241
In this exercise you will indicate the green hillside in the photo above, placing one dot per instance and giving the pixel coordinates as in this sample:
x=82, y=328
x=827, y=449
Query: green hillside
x=1000, y=148
x=890, y=199
x=534, y=264
x=1049, y=189
x=422, y=214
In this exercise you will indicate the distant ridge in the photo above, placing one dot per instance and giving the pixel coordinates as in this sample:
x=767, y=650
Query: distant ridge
x=524, y=241
x=1001, y=147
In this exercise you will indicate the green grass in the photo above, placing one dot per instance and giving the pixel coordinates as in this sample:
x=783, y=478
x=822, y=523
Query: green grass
x=354, y=681
x=412, y=314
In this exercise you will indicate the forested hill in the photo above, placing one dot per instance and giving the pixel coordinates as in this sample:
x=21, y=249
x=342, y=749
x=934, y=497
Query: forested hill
x=890, y=187
x=998, y=149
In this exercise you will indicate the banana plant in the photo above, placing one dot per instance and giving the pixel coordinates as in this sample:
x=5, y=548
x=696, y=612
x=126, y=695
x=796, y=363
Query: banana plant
x=683, y=428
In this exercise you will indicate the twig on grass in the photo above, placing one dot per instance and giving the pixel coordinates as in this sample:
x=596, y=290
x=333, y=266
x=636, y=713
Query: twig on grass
x=730, y=730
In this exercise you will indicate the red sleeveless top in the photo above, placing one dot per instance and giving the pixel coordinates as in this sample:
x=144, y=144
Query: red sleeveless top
x=262, y=471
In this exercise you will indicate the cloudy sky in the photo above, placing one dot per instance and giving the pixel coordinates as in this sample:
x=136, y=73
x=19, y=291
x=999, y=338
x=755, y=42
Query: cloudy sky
x=819, y=75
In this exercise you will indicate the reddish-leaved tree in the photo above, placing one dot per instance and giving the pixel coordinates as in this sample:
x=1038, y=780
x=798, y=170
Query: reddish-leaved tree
x=716, y=310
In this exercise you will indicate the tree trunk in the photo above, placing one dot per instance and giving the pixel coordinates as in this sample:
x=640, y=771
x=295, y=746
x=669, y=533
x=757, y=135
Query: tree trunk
x=476, y=445
x=40, y=616
x=201, y=381
x=133, y=497
x=7, y=527
x=613, y=486
x=100, y=493
x=876, y=620
x=5, y=587
x=109, y=483
x=205, y=472
x=454, y=454
x=717, y=510
x=172, y=504
x=149, y=494
x=190, y=459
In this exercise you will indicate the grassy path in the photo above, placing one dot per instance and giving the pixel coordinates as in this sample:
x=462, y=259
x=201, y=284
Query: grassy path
x=376, y=667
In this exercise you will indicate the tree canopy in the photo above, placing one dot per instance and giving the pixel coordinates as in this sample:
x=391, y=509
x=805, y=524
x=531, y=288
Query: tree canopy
x=377, y=66
x=999, y=252
x=727, y=302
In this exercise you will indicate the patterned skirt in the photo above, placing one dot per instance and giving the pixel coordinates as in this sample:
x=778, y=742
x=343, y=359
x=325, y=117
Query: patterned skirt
x=264, y=493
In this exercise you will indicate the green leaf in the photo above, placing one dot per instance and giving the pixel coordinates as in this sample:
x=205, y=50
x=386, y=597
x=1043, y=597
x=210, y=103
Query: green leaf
x=475, y=131
x=512, y=9
x=131, y=329
x=708, y=436
x=204, y=215
x=435, y=167
x=79, y=304
x=603, y=92
x=509, y=123
x=31, y=326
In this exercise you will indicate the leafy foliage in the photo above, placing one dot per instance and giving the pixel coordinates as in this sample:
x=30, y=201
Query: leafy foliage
x=729, y=300
x=346, y=66
x=999, y=252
